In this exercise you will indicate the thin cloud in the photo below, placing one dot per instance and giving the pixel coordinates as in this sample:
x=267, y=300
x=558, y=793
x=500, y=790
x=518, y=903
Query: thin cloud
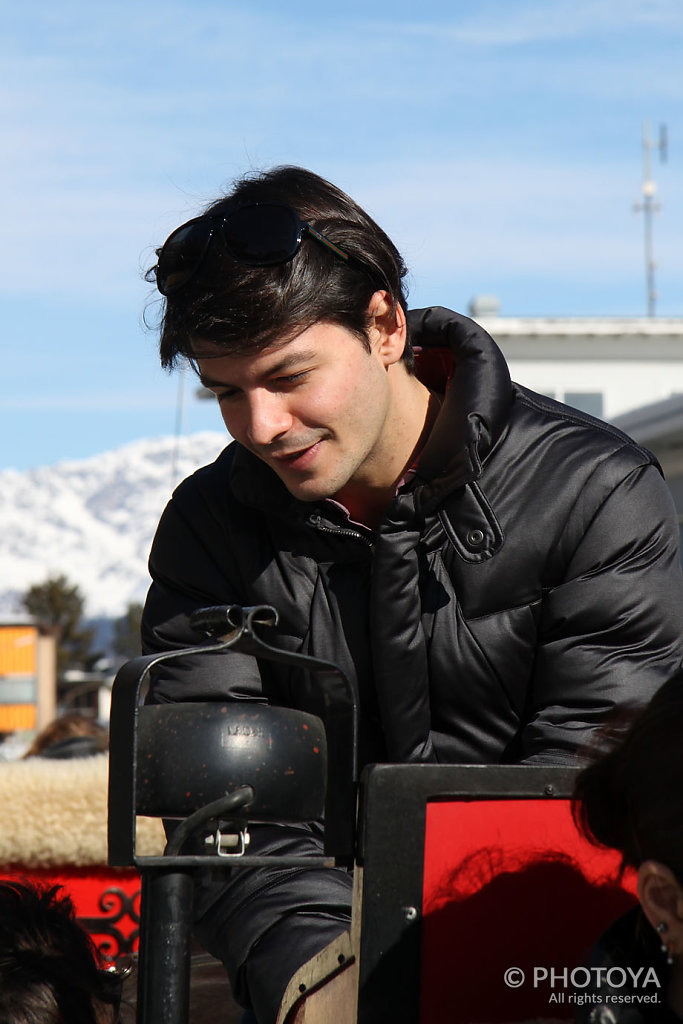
x=504, y=25
x=92, y=401
x=461, y=211
x=108, y=150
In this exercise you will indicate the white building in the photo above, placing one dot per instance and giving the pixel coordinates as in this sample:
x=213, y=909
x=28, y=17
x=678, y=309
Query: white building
x=606, y=366
x=659, y=427
x=625, y=370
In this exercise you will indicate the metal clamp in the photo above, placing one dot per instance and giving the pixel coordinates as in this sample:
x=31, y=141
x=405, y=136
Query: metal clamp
x=221, y=840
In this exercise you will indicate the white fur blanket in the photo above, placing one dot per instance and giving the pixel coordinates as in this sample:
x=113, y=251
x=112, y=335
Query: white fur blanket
x=54, y=813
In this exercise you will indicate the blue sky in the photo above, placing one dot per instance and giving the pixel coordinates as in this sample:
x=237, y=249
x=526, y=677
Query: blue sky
x=498, y=142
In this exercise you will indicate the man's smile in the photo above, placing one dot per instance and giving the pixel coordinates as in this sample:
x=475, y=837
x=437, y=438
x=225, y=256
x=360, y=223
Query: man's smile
x=299, y=458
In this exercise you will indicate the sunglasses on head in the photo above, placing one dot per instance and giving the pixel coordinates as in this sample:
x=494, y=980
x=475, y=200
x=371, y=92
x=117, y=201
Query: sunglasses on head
x=260, y=235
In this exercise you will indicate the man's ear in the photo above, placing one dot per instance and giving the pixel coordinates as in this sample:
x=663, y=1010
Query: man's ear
x=387, y=327
x=661, y=898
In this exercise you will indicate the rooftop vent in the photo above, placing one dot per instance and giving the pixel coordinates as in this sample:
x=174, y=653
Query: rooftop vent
x=483, y=306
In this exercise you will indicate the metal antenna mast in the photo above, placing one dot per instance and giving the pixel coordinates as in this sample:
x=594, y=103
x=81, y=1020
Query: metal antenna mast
x=649, y=207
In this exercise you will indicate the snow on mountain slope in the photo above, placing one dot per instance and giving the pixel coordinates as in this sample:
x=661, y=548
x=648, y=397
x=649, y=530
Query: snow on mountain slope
x=93, y=520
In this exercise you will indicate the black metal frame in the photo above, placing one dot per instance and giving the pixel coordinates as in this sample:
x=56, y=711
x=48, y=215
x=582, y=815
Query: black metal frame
x=393, y=803
x=236, y=628
x=167, y=882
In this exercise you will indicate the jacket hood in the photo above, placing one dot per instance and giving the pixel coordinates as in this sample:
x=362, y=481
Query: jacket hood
x=457, y=358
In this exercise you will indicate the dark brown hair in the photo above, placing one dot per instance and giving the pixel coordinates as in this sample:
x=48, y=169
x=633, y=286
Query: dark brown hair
x=49, y=968
x=631, y=798
x=71, y=726
x=243, y=309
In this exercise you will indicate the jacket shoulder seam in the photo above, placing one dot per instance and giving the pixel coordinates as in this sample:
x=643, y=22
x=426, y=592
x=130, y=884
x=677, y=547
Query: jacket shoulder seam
x=527, y=398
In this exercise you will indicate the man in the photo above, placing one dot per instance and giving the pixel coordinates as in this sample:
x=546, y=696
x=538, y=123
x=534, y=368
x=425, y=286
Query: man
x=495, y=570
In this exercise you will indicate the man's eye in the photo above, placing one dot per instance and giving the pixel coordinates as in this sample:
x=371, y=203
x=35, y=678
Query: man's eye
x=225, y=396
x=293, y=378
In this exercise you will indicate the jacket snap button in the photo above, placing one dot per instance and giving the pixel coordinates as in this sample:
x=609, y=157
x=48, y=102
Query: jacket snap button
x=475, y=538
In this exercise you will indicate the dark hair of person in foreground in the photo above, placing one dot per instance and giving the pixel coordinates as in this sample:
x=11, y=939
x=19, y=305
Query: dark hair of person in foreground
x=631, y=799
x=49, y=968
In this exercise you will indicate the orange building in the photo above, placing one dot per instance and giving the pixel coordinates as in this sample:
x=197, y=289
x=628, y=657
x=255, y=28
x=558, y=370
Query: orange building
x=28, y=675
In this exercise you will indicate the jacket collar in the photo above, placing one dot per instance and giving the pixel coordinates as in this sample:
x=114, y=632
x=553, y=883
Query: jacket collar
x=454, y=356
x=477, y=400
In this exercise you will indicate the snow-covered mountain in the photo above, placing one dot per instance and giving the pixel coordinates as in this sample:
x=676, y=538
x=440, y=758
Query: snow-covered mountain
x=93, y=520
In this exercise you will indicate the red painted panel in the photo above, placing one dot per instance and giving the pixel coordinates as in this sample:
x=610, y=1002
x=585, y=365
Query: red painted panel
x=107, y=902
x=509, y=885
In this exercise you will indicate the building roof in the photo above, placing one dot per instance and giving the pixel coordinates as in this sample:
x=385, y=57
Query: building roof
x=660, y=422
x=588, y=338
x=582, y=326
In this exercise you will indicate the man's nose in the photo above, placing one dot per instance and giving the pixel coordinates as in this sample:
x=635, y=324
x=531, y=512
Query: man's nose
x=269, y=417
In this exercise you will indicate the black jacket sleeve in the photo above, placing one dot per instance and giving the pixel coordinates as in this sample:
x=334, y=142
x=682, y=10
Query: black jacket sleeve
x=610, y=633
x=186, y=575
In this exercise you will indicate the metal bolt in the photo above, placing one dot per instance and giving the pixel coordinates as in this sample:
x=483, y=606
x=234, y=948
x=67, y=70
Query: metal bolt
x=410, y=913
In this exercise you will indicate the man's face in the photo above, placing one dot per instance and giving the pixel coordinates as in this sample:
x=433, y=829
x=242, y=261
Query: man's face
x=314, y=409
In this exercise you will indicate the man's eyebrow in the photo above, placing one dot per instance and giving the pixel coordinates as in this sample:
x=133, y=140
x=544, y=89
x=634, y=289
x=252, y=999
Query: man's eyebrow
x=283, y=364
x=209, y=383
x=291, y=359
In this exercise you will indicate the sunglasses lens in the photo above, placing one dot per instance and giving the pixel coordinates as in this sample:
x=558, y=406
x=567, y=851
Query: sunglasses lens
x=262, y=235
x=182, y=253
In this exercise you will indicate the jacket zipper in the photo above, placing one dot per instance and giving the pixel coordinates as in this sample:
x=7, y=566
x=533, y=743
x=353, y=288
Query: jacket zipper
x=342, y=531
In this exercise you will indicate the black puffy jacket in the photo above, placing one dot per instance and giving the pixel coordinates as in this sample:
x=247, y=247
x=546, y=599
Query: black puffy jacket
x=524, y=582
